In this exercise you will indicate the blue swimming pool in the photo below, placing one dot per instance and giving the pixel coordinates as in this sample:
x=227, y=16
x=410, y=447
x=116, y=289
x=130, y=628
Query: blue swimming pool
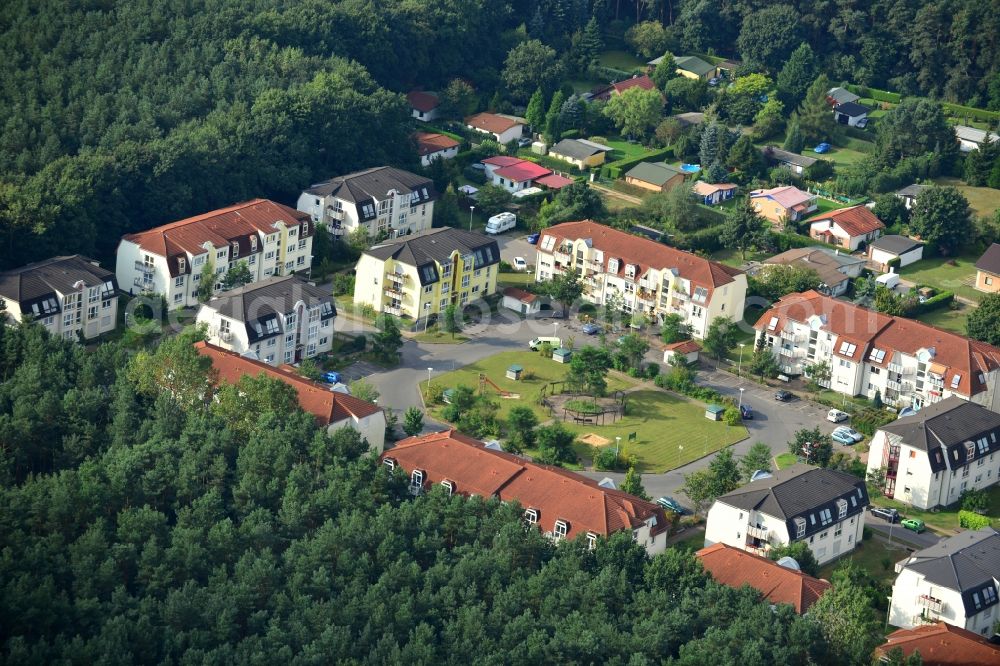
x=690, y=168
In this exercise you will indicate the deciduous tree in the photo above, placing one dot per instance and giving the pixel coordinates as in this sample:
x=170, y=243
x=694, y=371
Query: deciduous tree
x=941, y=217
x=529, y=65
x=720, y=337
x=758, y=458
x=413, y=421
x=636, y=111
x=744, y=228
x=983, y=322
x=386, y=340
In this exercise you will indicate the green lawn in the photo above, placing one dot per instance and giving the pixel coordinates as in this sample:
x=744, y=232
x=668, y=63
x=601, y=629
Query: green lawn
x=983, y=200
x=615, y=205
x=670, y=431
x=839, y=156
x=826, y=205
x=735, y=259
x=624, y=148
x=435, y=336
x=873, y=555
x=939, y=273
x=582, y=85
x=515, y=279
x=949, y=320
x=495, y=368
x=943, y=520
x=622, y=60
x=786, y=460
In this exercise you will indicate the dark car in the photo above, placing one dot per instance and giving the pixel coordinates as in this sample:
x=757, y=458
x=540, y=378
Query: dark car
x=888, y=515
x=783, y=396
x=533, y=238
x=670, y=504
x=591, y=328
x=746, y=412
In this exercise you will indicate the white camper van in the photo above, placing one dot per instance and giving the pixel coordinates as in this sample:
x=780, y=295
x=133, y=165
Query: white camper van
x=500, y=223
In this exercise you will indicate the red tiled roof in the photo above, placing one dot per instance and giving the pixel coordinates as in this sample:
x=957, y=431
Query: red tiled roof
x=554, y=181
x=520, y=294
x=683, y=347
x=787, y=196
x=941, y=644
x=502, y=160
x=317, y=399
x=867, y=329
x=422, y=101
x=428, y=143
x=643, y=252
x=522, y=171
x=554, y=492
x=856, y=220
x=780, y=585
x=643, y=82
x=706, y=189
x=491, y=122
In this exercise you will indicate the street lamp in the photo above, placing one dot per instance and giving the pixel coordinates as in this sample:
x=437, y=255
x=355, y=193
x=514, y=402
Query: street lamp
x=739, y=366
x=471, y=208
x=740, y=406
x=429, y=370
x=618, y=443
x=555, y=329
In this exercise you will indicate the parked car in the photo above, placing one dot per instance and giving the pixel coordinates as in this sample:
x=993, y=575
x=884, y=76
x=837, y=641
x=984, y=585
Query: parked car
x=332, y=377
x=553, y=341
x=842, y=436
x=533, y=238
x=478, y=166
x=822, y=148
x=746, y=412
x=836, y=416
x=714, y=81
x=670, y=504
x=590, y=328
x=861, y=124
x=850, y=432
x=524, y=142
x=519, y=264
x=888, y=515
x=914, y=524
x=783, y=396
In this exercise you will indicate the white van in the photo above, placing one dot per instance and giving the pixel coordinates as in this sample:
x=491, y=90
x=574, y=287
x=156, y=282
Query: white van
x=538, y=342
x=889, y=280
x=500, y=223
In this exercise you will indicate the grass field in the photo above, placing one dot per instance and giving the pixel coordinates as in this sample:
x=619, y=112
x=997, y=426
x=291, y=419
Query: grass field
x=515, y=279
x=624, y=149
x=983, y=200
x=943, y=520
x=949, y=320
x=839, y=156
x=786, y=460
x=735, y=259
x=826, y=205
x=872, y=555
x=670, y=432
x=622, y=60
x=938, y=272
x=435, y=336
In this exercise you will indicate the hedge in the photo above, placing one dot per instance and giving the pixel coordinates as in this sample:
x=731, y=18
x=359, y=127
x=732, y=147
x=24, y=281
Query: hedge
x=971, y=520
x=867, y=421
x=875, y=94
x=935, y=302
x=614, y=170
x=981, y=115
x=602, y=73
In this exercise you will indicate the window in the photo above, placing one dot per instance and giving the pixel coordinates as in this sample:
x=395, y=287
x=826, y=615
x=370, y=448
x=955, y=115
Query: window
x=841, y=509
x=444, y=303
x=826, y=516
x=292, y=233
x=417, y=478
x=179, y=281
x=301, y=261
x=773, y=324
x=561, y=529
x=428, y=289
x=955, y=381
x=465, y=281
x=824, y=535
x=531, y=516
x=178, y=297
x=390, y=463
x=302, y=244
x=800, y=528
x=877, y=355
x=449, y=486
x=847, y=348
x=591, y=541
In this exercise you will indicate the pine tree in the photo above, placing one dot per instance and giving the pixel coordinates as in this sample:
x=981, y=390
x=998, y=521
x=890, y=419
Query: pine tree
x=571, y=113
x=535, y=113
x=795, y=77
x=632, y=484
x=716, y=173
x=552, y=127
x=536, y=27
x=591, y=43
x=712, y=148
x=815, y=116
x=793, y=140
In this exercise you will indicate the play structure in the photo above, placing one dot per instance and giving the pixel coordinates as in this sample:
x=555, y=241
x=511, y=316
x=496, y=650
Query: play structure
x=485, y=381
x=556, y=395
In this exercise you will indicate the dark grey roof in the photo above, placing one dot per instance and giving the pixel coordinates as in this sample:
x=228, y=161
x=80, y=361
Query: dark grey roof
x=841, y=95
x=852, y=109
x=801, y=491
x=895, y=244
x=910, y=190
x=425, y=248
x=262, y=302
x=39, y=283
x=656, y=173
x=990, y=261
x=948, y=425
x=374, y=184
x=966, y=563
x=780, y=155
x=575, y=149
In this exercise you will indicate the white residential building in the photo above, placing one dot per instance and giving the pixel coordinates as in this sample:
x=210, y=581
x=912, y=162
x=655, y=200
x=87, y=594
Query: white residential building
x=269, y=238
x=651, y=278
x=383, y=200
x=503, y=129
x=933, y=456
x=909, y=363
x=281, y=320
x=823, y=508
x=955, y=581
x=70, y=296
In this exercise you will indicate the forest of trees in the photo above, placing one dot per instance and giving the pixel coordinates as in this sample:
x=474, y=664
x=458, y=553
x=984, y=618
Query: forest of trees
x=143, y=522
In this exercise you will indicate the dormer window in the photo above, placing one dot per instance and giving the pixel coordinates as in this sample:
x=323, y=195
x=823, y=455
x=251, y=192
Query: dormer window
x=449, y=486
x=773, y=324
x=416, y=478
x=182, y=265
x=531, y=516
x=955, y=381
x=970, y=450
x=253, y=243
x=877, y=355
x=841, y=508
x=561, y=529
x=236, y=249
x=800, y=528
x=305, y=228
x=591, y=541
x=390, y=463
x=613, y=266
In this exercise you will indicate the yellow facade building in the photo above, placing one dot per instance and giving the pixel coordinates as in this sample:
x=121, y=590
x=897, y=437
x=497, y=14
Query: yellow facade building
x=422, y=274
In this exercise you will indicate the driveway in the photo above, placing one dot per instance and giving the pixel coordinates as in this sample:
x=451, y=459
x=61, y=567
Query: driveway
x=515, y=244
x=900, y=534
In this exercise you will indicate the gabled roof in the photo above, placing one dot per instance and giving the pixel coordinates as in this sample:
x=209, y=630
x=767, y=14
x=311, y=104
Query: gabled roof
x=973, y=135
x=852, y=109
x=522, y=171
x=555, y=493
x=787, y=196
x=942, y=644
x=554, y=181
x=423, y=249
x=990, y=261
x=316, y=398
x=644, y=253
x=827, y=265
x=911, y=190
x=694, y=64
x=643, y=82
x=965, y=563
x=422, y=100
x=520, y=294
x=707, y=189
x=656, y=173
x=502, y=160
x=374, y=184
x=779, y=155
x=841, y=95
x=42, y=281
x=895, y=244
x=491, y=122
x=947, y=425
x=428, y=143
x=577, y=150
x=683, y=347
x=855, y=221
x=779, y=585
x=274, y=296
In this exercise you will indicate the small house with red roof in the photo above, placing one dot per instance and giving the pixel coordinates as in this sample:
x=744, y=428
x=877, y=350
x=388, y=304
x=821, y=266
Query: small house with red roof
x=637, y=81
x=332, y=409
x=502, y=128
x=423, y=105
x=941, y=644
x=847, y=227
x=651, y=278
x=512, y=173
x=432, y=146
x=521, y=301
x=777, y=583
x=562, y=504
x=782, y=204
x=686, y=350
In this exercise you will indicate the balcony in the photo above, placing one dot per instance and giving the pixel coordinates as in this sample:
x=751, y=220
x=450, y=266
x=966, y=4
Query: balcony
x=895, y=386
x=398, y=278
x=930, y=603
x=146, y=269
x=392, y=292
x=393, y=310
x=562, y=258
x=791, y=337
x=757, y=532
x=144, y=285
x=790, y=353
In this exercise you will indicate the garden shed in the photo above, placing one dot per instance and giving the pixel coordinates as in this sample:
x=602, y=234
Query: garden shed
x=714, y=412
x=561, y=355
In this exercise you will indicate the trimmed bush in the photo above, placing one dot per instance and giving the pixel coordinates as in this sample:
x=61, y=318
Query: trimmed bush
x=940, y=300
x=971, y=520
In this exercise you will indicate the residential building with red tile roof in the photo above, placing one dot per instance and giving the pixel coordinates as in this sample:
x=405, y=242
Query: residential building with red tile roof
x=331, y=408
x=778, y=584
x=434, y=146
x=502, y=128
x=781, y=204
x=910, y=363
x=847, y=227
x=554, y=181
x=513, y=173
x=521, y=301
x=652, y=278
x=687, y=349
x=941, y=644
x=560, y=503
x=270, y=238
x=423, y=104
x=643, y=82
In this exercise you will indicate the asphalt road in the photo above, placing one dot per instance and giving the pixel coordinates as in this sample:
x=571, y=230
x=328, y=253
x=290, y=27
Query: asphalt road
x=899, y=534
